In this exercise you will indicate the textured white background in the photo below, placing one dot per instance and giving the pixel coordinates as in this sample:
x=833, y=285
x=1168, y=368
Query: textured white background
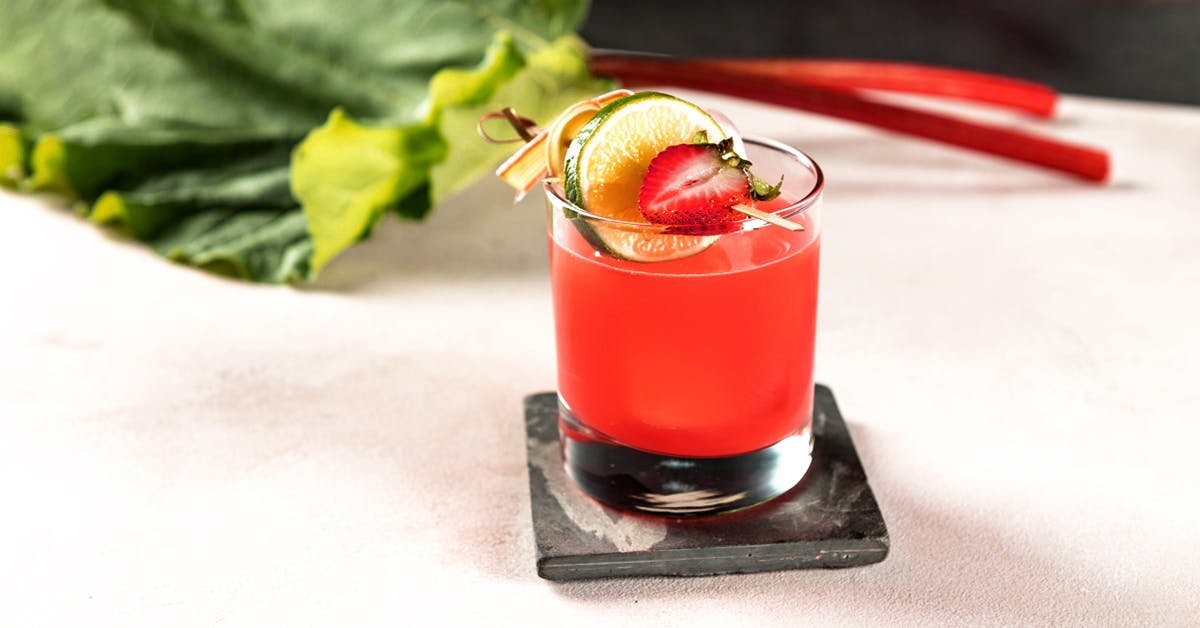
x=1016, y=353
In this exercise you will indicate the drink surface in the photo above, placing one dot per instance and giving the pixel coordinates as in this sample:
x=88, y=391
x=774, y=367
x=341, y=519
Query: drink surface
x=709, y=355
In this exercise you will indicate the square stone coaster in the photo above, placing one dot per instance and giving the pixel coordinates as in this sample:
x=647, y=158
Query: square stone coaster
x=829, y=520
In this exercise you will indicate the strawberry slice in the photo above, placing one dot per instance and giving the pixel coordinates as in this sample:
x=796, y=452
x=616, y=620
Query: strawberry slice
x=693, y=187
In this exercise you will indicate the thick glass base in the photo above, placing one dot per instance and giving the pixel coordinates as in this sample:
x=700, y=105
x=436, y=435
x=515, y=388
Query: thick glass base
x=658, y=484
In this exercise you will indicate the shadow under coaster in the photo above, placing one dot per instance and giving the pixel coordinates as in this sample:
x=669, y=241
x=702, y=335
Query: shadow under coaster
x=829, y=520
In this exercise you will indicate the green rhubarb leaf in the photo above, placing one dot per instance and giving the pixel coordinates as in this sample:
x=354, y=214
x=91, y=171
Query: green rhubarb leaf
x=236, y=218
x=347, y=174
x=552, y=79
x=12, y=155
x=145, y=110
x=99, y=154
x=258, y=181
x=268, y=245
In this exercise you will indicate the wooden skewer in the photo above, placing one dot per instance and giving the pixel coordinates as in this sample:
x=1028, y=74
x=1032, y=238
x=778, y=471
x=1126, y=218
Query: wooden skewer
x=771, y=218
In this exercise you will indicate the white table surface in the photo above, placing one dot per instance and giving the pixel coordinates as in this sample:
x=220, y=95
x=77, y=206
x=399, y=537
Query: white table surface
x=1016, y=354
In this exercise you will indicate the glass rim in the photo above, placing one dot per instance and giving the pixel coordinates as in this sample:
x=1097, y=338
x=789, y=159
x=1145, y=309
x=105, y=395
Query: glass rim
x=808, y=200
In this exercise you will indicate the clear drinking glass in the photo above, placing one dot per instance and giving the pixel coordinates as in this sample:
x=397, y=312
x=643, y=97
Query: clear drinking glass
x=685, y=383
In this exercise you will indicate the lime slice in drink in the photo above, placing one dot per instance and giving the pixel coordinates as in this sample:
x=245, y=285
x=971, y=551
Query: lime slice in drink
x=608, y=159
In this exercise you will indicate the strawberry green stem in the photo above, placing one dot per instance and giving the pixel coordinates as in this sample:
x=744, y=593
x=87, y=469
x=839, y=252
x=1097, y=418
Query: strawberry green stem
x=1081, y=161
x=912, y=78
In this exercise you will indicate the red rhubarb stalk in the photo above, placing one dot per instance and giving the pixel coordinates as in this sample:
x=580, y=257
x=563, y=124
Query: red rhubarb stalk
x=1081, y=161
x=911, y=78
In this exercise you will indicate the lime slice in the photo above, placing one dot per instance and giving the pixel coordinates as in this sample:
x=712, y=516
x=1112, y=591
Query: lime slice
x=608, y=159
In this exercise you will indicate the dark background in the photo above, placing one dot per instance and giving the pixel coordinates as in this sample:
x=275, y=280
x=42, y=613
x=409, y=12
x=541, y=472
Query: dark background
x=1139, y=49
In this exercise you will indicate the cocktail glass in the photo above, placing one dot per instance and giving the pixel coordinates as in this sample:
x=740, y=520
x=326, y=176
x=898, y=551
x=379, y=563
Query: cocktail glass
x=685, y=384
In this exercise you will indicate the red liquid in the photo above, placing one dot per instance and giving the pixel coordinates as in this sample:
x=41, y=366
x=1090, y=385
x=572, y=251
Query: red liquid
x=710, y=355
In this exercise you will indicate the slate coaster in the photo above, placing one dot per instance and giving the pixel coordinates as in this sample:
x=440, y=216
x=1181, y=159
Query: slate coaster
x=829, y=520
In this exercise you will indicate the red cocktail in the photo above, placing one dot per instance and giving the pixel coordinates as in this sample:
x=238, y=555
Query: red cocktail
x=685, y=361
